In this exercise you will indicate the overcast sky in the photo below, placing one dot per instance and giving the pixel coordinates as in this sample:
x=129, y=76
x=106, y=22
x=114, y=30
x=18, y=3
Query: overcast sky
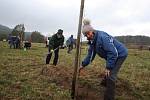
x=117, y=17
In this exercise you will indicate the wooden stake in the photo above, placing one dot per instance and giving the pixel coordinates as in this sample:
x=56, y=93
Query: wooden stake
x=76, y=65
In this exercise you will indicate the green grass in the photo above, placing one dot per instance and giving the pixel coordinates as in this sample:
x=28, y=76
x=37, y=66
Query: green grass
x=21, y=75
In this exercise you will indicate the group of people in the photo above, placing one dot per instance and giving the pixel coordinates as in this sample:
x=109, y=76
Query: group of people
x=14, y=41
x=100, y=43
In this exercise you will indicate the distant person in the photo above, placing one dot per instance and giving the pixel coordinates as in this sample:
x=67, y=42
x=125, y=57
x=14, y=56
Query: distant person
x=27, y=45
x=17, y=42
x=13, y=42
x=55, y=42
x=46, y=41
x=9, y=38
x=70, y=43
x=107, y=48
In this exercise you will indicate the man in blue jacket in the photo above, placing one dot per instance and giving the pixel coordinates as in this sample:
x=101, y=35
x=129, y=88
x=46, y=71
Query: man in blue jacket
x=108, y=48
x=70, y=43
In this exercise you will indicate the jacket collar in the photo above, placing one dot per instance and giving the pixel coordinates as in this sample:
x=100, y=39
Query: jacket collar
x=95, y=37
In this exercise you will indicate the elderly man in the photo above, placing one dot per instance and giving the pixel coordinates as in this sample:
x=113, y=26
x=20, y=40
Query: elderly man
x=108, y=48
x=55, y=42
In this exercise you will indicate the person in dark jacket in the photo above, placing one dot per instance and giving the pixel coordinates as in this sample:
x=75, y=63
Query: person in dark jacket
x=110, y=49
x=17, y=42
x=55, y=42
x=70, y=43
x=13, y=42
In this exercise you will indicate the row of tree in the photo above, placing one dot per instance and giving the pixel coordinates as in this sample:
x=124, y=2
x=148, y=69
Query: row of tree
x=36, y=36
x=136, y=40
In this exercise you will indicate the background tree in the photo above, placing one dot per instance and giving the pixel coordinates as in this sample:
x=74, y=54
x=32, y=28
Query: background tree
x=37, y=37
x=19, y=31
x=3, y=36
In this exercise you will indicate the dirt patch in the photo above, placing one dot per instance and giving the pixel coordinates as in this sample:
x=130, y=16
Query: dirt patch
x=87, y=93
x=63, y=78
x=88, y=84
x=59, y=75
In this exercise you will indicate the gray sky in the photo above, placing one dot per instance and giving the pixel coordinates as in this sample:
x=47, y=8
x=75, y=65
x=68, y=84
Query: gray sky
x=117, y=17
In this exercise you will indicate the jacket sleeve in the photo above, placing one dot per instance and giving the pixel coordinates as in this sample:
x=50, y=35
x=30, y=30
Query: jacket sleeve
x=62, y=41
x=51, y=42
x=112, y=53
x=90, y=56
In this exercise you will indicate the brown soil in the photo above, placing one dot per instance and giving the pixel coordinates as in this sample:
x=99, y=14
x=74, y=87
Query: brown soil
x=87, y=90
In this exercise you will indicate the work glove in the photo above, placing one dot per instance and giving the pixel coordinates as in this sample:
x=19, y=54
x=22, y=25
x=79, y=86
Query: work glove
x=52, y=51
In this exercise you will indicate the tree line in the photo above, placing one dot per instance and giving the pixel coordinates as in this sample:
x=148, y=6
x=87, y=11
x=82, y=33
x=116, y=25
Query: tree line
x=36, y=36
x=136, y=40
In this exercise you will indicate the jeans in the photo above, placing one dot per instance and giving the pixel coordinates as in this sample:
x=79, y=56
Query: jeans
x=110, y=81
x=70, y=47
x=115, y=70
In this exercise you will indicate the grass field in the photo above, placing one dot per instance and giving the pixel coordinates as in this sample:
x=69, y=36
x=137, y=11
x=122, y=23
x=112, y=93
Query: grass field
x=24, y=76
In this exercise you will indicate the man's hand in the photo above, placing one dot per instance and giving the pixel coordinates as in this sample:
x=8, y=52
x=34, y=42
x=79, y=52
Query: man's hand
x=107, y=72
x=80, y=69
x=52, y=51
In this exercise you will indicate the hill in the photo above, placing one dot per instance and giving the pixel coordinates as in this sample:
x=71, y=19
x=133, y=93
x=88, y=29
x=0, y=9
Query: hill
x=4, y=31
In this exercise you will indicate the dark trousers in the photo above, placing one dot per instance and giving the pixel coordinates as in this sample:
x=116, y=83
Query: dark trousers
x=70, y=47
x=56, y=55
x=110, y=81
x=12, y=44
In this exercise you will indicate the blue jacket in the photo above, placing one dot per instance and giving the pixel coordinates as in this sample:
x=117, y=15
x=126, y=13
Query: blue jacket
x=106, y=47
x=70, y=41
